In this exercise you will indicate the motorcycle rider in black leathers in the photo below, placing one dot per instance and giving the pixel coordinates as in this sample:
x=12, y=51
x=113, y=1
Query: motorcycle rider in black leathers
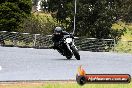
x=58, y=36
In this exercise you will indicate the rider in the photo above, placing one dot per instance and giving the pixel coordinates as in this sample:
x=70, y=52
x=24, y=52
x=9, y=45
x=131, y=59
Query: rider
x=58, y=36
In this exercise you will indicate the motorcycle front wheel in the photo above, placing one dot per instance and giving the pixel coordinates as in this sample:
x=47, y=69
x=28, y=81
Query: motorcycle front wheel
x=75, y=52
x=68, y=57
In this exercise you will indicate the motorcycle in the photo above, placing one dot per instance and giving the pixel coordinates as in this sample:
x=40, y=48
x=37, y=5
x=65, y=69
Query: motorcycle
x=67, y=47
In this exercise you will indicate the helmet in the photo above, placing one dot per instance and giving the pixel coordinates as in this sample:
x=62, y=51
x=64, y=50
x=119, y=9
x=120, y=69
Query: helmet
x=58, y=30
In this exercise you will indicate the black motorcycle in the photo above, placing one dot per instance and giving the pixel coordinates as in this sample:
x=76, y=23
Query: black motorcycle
x=67, y=47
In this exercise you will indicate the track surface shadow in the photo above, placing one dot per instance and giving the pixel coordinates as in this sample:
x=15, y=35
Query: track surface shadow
x=64, y=59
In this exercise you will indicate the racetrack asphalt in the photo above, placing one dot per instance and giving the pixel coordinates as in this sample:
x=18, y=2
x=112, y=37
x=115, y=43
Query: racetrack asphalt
x=47, y=64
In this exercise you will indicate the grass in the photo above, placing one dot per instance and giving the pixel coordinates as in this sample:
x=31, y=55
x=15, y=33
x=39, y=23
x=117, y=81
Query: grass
x=124, y=47
x=125, y=43
x=63, y=85
x=18, y=43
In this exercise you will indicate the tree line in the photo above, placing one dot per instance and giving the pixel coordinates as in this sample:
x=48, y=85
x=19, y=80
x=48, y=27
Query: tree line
x=94, y=18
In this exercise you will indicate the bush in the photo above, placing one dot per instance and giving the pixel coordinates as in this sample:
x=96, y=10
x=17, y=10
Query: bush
x=39, y=23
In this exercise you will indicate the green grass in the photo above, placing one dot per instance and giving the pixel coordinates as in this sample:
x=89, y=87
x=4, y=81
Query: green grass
x=18, y=43
x=124, y=45
x=70, y=85
x=65, y=85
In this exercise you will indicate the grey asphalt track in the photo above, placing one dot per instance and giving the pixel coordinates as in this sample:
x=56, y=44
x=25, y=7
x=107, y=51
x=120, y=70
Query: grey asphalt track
x=47, y=64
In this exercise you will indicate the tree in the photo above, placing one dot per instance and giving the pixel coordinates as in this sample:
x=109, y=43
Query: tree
x=13, y=12
x=35, y=2
x=59, y=8
x=94, y=18
x=44, y=5
x=124, y=9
